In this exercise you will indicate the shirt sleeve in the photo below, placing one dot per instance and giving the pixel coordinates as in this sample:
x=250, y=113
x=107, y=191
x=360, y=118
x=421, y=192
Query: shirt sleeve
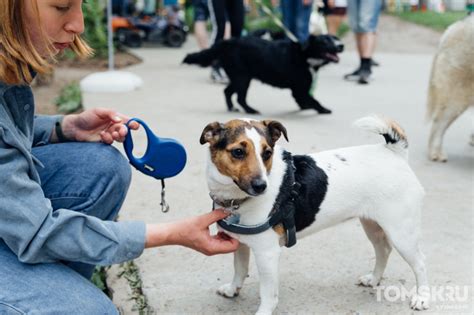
x=37, y=234
x=42, y=128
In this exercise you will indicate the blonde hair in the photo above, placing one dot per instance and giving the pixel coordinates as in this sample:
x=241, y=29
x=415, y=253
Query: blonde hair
x=18, y=56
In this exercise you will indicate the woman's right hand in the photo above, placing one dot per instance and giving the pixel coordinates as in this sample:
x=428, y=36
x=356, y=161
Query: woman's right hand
x=192, y=233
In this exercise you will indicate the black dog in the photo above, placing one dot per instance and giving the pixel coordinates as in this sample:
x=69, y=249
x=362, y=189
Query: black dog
x=280, y=63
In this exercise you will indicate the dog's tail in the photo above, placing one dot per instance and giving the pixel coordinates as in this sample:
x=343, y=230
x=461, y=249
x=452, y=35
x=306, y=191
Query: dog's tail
x=204, y=58
x=394, y=135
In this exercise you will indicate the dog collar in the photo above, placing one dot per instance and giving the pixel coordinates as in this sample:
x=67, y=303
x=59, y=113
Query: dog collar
x=283, y=209
x=233, y=204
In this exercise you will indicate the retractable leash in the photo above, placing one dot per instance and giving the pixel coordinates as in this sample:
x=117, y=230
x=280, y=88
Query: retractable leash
x=163, y=158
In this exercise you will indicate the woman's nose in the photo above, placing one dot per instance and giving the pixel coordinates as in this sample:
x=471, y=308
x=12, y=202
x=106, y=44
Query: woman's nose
x=75, y=23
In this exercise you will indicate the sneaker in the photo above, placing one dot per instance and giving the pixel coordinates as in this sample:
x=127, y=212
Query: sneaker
x=354, y=76
x=364, y=76
x=217, y=77
x=374, y=63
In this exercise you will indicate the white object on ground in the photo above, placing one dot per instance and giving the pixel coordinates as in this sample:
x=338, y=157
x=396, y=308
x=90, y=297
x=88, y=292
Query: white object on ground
x=111, y=81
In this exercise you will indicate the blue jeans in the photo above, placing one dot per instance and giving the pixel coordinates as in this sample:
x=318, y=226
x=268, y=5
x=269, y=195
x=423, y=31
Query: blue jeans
x=364, y=15
x=296, y=17
x=70, y=181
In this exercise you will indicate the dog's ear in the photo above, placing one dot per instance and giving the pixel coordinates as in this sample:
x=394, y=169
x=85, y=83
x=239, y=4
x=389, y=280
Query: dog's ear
x=211, y=133
x=275, y=129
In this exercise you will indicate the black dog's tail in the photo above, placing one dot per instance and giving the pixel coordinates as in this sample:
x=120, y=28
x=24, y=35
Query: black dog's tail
x=204, y=58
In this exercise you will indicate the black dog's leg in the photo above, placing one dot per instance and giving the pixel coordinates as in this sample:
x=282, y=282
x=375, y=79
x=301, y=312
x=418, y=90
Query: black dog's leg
x=241, y=85
x=305, y=101
x=228, y=92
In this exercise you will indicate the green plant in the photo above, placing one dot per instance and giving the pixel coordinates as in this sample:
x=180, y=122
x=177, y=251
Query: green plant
x=131, y=274
x=95, y=27
x=70, y=99
x=99, y=278
x=437, y=21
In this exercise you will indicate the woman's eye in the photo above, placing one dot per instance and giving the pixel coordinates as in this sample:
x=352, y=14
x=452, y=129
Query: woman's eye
x=266, y=155
x=62, y=9
x=238, y=153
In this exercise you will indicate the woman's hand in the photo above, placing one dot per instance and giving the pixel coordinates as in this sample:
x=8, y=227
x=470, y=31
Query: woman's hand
x=98, y=124
x=193, y=233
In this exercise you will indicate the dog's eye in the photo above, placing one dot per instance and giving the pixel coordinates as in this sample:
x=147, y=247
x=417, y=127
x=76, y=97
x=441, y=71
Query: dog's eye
x=267, y=154
x=238, y=153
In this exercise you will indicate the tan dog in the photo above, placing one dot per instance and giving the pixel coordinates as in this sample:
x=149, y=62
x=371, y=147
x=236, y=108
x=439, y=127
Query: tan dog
x=451, y=89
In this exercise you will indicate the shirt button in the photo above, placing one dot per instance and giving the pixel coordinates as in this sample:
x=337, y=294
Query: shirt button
x=26, y=107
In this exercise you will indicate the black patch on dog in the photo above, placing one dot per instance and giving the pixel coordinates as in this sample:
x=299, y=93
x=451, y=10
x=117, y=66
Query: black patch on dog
x=279, y=63
x=314, y=185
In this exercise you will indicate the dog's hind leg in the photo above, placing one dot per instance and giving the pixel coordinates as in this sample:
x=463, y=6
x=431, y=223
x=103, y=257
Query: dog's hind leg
x=228, y=92
x=305, y=101
x=241, y=269
x=404, y=236
x=441, y=121
x=267, y=264
x=382, y=251
x=241, y=85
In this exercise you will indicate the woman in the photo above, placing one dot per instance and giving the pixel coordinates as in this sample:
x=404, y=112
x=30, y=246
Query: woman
x=61, y=183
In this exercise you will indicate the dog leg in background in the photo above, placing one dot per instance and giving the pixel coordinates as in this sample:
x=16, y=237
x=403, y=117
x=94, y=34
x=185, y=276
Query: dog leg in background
x=305, y=101
x=268, y=261
x=241, y=86
x=241, y=270
x=404, y=237
x=442, y=119
x=382, y=251
x=228, y=92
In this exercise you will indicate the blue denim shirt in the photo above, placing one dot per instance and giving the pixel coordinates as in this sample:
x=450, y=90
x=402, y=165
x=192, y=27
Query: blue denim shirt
x=28, y=225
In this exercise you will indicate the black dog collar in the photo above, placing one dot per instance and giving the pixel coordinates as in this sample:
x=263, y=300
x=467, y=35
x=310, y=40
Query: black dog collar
x=283, y=209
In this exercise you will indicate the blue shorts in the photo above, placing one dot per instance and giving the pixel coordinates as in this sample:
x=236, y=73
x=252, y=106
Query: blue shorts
x=201, y=10
x=364, y=15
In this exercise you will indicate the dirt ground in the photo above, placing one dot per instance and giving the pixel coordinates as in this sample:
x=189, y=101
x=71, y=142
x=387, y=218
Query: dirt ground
x=67, y=71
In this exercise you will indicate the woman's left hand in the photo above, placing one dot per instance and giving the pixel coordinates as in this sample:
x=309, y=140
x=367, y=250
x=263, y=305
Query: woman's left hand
x=97, y=125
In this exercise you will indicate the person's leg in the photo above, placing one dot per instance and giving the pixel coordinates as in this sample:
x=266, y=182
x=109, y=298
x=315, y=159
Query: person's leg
x=218, y=19
x=91, y=178
x=201, y=15
x=50, y=288
x=334, y=22
x=303, y=14
x=217, y=15
x=200, y=31
x=235, y=12
x=368, y=19
x=288, y=14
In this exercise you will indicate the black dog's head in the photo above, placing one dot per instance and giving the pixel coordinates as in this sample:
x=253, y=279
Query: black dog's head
x=323, y=47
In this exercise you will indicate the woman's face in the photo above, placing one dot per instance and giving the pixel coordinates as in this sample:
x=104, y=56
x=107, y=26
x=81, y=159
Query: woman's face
x=61, y=21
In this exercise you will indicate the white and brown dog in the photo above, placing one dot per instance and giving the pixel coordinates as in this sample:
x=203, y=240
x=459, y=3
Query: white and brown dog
x=249, y=171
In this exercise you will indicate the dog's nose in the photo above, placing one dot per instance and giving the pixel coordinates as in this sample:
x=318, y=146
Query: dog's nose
x=340, y=48
x=259, y=185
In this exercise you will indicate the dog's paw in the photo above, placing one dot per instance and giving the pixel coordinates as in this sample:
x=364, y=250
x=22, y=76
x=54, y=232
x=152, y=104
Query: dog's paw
x=369, y=280
x=438, y=156
x=420, y=302
x=228, y=290
x=323, y=110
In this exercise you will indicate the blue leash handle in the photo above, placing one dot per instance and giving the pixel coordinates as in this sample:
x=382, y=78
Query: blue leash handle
x=163, y=157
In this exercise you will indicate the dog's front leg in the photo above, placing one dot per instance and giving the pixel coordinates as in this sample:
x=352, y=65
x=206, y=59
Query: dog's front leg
x=241, y=269
x=268, y=260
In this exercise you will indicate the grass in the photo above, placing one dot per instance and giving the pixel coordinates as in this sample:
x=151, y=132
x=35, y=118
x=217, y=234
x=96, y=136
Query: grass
x=434, y=20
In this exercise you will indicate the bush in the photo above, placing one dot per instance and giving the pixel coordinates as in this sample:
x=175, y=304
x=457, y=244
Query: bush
x=95, y=27
x=70, y=99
